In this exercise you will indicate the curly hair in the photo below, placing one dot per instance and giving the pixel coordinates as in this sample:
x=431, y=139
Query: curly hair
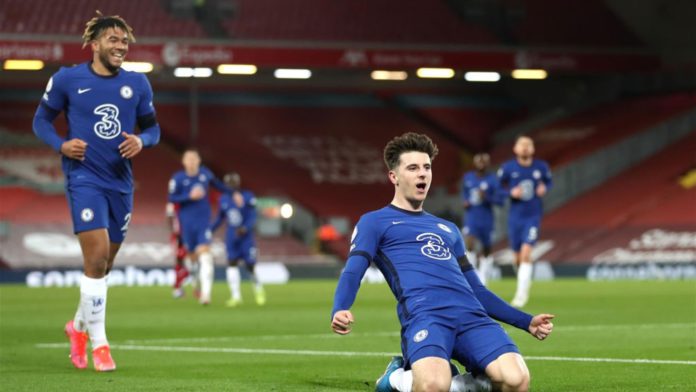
x=95, y=26
x=408, y=142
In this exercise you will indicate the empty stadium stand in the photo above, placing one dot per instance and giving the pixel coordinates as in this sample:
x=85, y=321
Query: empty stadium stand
x=580, y=134
x=647, y=197
x=375, y=21
x=68, y=17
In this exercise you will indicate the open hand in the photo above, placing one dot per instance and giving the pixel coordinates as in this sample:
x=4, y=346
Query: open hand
x=131, y=146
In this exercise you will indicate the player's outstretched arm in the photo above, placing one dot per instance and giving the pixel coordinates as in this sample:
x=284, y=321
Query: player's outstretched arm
x=494, y=305
x=541, y=326
x=342, y=322
x=346, y=291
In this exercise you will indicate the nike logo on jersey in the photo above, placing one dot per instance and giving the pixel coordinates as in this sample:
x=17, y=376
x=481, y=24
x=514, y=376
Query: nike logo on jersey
x=83, y=90
x=397, y=222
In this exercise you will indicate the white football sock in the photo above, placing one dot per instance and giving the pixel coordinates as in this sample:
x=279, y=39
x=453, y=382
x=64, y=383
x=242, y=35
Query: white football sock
x=257, y=282
x=401, y=380
x=233, y=280
x=207, y=272
x=524, y=280
x=79, y=319
x=485, y=268
x=93, y=304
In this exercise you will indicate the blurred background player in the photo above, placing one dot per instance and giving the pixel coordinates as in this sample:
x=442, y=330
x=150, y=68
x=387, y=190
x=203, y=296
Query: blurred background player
x=238, y=209
x=189, y=188
x=526, y=180
x=479, y=192
x=103, y=104
x=181, y=271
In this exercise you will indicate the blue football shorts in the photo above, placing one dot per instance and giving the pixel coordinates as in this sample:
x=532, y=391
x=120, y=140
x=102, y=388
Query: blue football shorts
x=473, y=340
x=94, y=208
x=523, y=232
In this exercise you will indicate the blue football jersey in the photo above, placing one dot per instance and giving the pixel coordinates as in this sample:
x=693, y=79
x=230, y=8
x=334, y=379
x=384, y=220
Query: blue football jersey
x=418, y=254
x=195, y=213
x=236, y=216
x=98, y=109
x=480, y=193
x=512, y=174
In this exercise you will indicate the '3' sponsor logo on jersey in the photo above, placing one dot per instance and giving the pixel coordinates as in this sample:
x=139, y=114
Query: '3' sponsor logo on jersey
x=435, y=247
x=109, y=126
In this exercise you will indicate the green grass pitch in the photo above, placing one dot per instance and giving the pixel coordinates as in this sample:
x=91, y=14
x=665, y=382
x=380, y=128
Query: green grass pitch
x=163, y=344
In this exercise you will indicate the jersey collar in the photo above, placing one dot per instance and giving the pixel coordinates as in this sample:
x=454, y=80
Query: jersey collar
x=416, y=213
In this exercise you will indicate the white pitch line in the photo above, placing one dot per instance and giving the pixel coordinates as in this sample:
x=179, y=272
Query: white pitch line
x=602, y=327
x=234, y=350
x=557, y=329
x=327, y=335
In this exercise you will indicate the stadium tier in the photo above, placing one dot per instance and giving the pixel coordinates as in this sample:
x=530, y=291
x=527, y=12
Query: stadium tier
x=67, y=17
x=328, y=158
x=376, y=21
x=642, y=210
x=582, y=133
x=407, y=21
x=473, y=127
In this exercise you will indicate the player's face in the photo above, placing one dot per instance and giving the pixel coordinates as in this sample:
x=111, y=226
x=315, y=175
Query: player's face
x=481, y=161
x=233, y=181
x=191, y=161
x=111, y=47
x=524, y=148
x=413, y=176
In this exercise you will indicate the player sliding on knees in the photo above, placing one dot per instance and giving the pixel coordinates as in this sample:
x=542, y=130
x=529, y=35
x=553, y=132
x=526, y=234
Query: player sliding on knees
x=444, y=310
x=102, y=104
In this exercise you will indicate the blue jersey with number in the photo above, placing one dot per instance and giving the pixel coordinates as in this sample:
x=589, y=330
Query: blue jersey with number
x=193, y=213
x=512, y=174
x=418, y=253
x=480, y=193
x=98, y=109
x=236, y=216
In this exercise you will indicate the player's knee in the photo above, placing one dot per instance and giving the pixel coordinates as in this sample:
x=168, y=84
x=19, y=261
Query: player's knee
x=431, y=384
x=517, y=381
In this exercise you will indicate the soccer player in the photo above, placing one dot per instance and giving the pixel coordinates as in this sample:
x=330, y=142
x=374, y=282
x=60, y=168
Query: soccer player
x=526, y=180
x=180, y=254
x=444, y=310
x=238, y=209
x=479, y=194
x=189, y=188
x=103, y=105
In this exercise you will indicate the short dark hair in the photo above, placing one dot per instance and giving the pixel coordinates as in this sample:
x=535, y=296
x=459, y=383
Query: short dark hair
x=95, y=26
x=408, y=142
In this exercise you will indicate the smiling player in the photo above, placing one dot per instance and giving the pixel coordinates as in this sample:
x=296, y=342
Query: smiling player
x=103, y=105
